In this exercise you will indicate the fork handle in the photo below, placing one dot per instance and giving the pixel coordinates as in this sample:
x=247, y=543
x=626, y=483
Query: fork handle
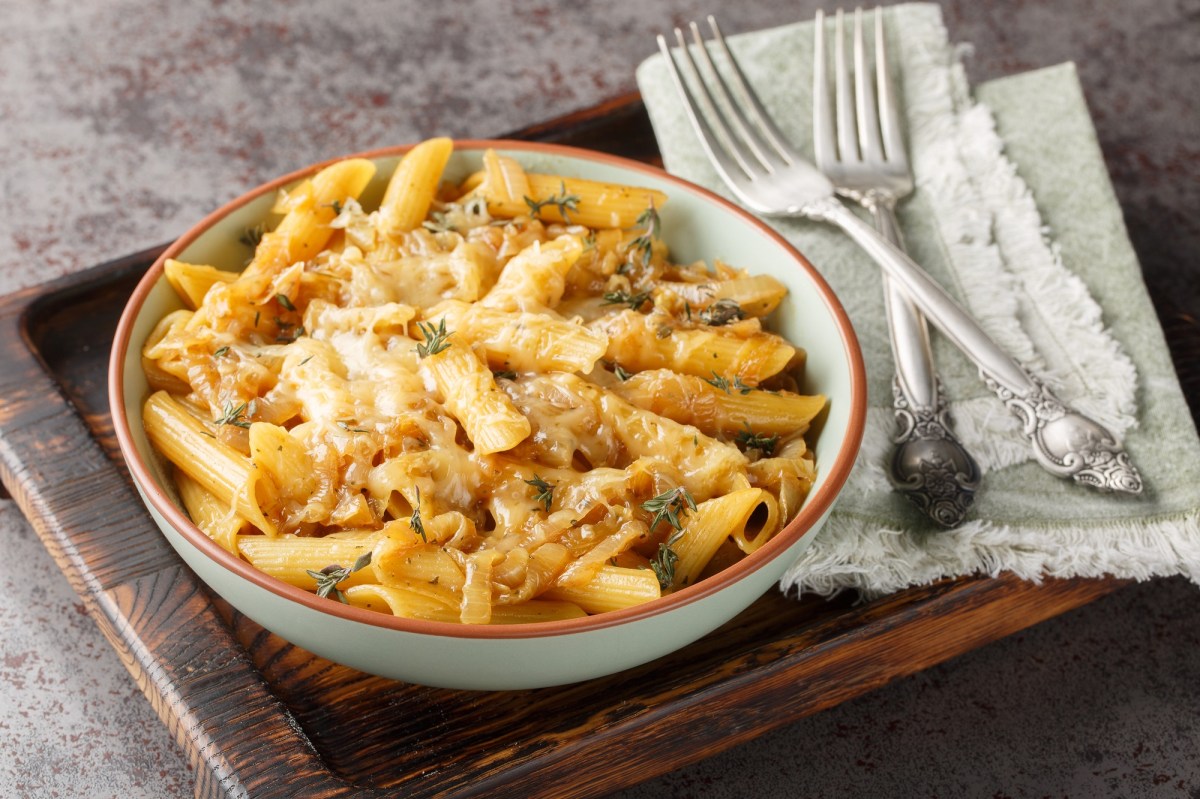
x=906, y=327
x=1065, y=442
x=928, y=465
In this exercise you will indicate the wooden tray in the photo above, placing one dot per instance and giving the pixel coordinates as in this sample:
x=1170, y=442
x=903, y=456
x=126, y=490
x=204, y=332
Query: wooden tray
x=260, y=717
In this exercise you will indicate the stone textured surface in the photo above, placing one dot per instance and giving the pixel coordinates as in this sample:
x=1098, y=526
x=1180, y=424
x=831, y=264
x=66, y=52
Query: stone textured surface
x=124, y=121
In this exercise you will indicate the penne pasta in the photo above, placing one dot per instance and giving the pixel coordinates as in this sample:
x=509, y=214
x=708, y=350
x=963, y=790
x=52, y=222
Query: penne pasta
x=612, y=588
x=656, y=341
x=718, y=407
x=413, y=186
x=509, y=407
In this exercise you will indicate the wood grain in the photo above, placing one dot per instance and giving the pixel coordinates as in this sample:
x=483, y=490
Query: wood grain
x=260, y=717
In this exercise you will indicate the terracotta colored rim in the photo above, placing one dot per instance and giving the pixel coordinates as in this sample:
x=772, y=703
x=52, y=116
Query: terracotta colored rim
x=817, y=503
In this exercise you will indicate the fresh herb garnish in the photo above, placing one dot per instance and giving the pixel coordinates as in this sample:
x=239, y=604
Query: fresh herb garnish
x=634, y=301
x=652, y=226
x=251, y=236
x=436, y=338
x=329, y=577
x=337, y=206
x=722, y=312
x=724, y=384
x=668, y=505
x=286, y=303
x=621, y=373
x=346, y=426
x=221, y=351
x=415, y=522
x=505, y=373
x=664, y=564
x=235, y=416
x=563, y=202
x=545, y=493
x=748, y=439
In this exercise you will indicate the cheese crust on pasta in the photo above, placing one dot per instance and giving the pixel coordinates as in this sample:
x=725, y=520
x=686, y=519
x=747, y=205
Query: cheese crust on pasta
x=492, y=402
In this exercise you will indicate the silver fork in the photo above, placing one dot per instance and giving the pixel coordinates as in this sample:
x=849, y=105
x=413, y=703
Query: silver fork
x=770, y=177
x=861, y=149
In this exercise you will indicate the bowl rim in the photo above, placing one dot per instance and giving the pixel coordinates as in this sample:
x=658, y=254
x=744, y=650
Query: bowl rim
x=814, y=507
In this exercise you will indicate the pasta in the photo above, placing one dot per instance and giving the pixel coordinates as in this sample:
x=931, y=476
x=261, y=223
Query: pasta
x=498, y=402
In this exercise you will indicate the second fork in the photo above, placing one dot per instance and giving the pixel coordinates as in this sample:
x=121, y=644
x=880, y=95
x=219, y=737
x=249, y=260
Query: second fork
x=858, y=144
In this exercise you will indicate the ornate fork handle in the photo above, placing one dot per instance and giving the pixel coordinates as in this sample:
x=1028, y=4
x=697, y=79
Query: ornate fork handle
x=929, y=464
x=1065, y=442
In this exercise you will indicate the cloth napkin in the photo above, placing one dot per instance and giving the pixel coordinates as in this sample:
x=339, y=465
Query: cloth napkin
x=1014, y=214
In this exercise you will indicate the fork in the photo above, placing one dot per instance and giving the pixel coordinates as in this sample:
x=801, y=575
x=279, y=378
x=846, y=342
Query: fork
x=772, y=178
x=860, y=148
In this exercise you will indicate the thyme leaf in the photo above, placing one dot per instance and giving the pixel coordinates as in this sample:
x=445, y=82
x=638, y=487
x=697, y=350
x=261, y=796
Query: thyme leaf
x=545, y=490
x=329, y=577
x=415, y=522
x=668, y=506
x=436, y=338
x=563, y=202
x=651, y=224
x=634, y=301
x=284, y=302
x=748, y=439
x=725, y=385
x=235, y=416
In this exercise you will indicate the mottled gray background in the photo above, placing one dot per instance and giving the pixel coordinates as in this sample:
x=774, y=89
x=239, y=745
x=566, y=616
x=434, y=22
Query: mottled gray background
x=123, y=122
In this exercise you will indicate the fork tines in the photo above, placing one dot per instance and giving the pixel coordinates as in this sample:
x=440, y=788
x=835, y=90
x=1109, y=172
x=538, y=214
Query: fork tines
x=730, y=113
x=862, y=134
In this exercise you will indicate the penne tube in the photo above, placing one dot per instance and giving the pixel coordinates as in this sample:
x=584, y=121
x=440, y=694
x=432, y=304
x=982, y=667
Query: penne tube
x=400, y=602
x=289, y=558
x=511, y=192
x=304, y=230
x=214, y=517
x=469, y=393
x=612, y=588
x=536, y=610
x=226, y=473
x=192, y=281
x=413, y=186
x=721, y=409
x=707, y=527
x=755, y=295
x=654, y=341
x=522, y=342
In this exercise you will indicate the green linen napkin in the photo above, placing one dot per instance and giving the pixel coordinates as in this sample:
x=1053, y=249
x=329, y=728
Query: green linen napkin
x=1014, y=214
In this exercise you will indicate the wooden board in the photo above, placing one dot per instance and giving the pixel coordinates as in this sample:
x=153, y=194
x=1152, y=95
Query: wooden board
x=260, y=717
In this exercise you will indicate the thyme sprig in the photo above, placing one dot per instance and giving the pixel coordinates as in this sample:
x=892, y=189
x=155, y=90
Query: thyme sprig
x=415, y=522
x=436, y=338
x=668, y=506
x=748, y=439
x=664, y=563
x=329, y=577
x=634, y=301
x=651, y=224
x=236, y=415
x=563, y=202
x=725, y=385
x=545, y=491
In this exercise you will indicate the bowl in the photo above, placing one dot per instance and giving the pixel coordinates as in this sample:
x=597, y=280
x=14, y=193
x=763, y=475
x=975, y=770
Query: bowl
x=697, y=224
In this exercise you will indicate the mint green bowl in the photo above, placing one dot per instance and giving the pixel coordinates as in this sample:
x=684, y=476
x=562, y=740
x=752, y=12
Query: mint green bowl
x=696, y=225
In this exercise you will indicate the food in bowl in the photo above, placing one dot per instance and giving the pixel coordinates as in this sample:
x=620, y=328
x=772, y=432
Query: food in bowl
x=496, y=400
